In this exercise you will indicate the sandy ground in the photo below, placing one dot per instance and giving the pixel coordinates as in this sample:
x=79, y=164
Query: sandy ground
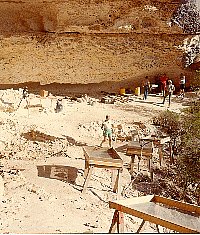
x=43, y=180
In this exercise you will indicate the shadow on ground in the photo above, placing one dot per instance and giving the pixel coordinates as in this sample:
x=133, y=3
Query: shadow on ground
x=72, y=141
x=64, y=173
x=145, y=101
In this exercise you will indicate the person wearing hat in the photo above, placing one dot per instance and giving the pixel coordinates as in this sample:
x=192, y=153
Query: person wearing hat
x=169, y=91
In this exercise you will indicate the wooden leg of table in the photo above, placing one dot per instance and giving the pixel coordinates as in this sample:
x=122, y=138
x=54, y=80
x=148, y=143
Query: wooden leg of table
x=160, y=155
x=120, y=222
x=86, y=168
x=115, y=188
x=87, y=179
x=113, y=178
x=171, y=153
x=150, y=168
x=141, y=225
x=119, y=184
x=139, y=159
x=114, y=222
x=117, y=222
x=157, y=228
x=132, y=163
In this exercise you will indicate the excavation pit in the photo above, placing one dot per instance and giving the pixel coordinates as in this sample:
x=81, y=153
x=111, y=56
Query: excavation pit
x=38, y=136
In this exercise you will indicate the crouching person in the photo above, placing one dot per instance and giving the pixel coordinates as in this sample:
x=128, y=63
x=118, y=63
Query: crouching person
x=59, y=106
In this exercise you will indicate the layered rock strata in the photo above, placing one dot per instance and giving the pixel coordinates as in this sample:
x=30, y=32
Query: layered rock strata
x=89, y=41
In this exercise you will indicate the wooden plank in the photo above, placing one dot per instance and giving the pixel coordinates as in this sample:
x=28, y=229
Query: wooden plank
x=120, y=222
x=87, y=179
x=113, y=153
x=150, y=168
x=98, y=155
x=117, y=185
x=142, y=144
x=108, y=167
x=130, y=201
x=132, y=206
x=154, y=219
x=160, y=155
x=113, y=226
x=183, y=206
x=157, y=140
x=86, y=168
x=157, y=228
x=154, y=198
x=138, y=152
x=171, y=153
x=139, y=149
x=132, y=164
x=113, y=178
x=86, y=154
x=105, y=163
x=117, y=222
x=141, y=225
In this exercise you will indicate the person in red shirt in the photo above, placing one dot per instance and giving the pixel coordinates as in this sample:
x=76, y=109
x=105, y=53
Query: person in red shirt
x=163, y=80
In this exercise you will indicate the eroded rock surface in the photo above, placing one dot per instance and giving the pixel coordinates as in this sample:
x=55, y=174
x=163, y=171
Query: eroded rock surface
x=89, y=41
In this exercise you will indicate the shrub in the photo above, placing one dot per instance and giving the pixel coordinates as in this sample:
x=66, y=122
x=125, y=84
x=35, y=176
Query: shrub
x=185, y=132
x=170, y=124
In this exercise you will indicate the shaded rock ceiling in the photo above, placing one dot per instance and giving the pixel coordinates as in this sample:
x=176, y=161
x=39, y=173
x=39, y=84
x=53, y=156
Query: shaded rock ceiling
x=86, y=16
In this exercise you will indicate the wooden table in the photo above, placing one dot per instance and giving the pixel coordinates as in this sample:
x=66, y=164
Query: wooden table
x=102, y=158
x=142, y=150
x=159, y=142
x=174, y=215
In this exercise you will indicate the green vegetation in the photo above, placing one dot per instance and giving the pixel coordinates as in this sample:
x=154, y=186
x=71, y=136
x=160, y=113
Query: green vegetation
x=195, y=83
x=184, y=131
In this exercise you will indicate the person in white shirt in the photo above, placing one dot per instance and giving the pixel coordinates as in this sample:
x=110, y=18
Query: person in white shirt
x=107, y=131
x=182, y=85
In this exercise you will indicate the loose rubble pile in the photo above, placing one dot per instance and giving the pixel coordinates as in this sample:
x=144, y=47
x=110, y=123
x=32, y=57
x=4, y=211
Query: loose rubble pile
x=121, y=132
x=114, y=99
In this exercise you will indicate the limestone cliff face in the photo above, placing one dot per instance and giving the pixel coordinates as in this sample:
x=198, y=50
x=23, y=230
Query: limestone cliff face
x=88, y=41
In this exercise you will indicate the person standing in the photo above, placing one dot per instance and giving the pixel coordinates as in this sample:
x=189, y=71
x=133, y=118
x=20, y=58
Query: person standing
x=163, y=81
x=107, y=131
x=25, y=95
x=146, y=85
x=169, y=91
x=182, y=85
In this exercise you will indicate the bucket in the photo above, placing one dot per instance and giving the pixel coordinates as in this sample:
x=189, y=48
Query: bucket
x=122, y=91
x=43, y=93
x=137, y=91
